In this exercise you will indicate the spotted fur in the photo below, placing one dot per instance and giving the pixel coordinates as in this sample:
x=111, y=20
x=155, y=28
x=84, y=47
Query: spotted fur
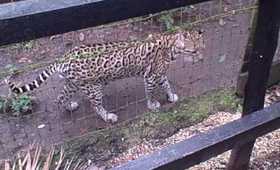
x=89, y=68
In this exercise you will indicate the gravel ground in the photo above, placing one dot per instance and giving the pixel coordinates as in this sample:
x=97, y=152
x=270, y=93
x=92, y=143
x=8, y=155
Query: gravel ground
x=265, y=155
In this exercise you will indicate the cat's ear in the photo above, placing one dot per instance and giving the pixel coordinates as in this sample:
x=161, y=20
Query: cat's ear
x=200, y=31
x=179, y=29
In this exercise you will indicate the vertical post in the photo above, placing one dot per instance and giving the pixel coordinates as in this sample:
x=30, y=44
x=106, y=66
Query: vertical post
x=263, y=50
x=249, y=46
x=241, y=82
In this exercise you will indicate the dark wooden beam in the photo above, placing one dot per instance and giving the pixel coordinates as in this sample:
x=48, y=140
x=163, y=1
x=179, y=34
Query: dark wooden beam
x=263, y=49
x=249, y=47
x=31, y=19
x=204, y=146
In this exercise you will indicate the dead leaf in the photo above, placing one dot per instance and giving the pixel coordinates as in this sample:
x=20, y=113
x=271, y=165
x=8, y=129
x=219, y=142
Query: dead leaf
x=222, y=22
x=24, y=60
x=81, y=36
x=54, y=37
x=41, y=126
x=68, y=43
x=222, y=58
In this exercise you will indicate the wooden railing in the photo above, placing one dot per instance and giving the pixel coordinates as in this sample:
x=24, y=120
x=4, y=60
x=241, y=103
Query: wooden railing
x=31, y=19
x=204, y=146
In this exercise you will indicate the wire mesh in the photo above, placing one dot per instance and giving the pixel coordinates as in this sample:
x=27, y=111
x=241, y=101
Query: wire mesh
x=226, y=26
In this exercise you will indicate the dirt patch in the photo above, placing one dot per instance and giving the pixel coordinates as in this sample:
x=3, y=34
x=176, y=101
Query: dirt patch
x=101, y=146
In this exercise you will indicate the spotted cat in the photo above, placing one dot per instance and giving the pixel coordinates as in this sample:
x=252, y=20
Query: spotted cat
x=89, y=68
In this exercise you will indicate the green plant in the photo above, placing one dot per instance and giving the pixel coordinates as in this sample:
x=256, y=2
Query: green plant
x=11, y=68
x=168, y=21
x=21, y=104
x=27, y=45
x=16, y=105
x=2, y=103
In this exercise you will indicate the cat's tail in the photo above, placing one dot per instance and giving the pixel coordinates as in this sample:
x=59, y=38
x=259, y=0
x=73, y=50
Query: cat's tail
x=41, y=78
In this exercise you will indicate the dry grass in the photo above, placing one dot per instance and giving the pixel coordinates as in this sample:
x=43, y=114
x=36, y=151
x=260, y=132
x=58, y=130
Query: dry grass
x=34, y=159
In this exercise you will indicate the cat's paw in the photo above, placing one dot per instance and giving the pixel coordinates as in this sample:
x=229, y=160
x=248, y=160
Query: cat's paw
x=153, y=105
x=73, y=106
x=111, y=117
x=172, y=98
x=106, y=116
x=70, y=107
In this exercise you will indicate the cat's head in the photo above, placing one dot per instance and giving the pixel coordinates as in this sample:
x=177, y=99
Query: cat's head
x=189, y=44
